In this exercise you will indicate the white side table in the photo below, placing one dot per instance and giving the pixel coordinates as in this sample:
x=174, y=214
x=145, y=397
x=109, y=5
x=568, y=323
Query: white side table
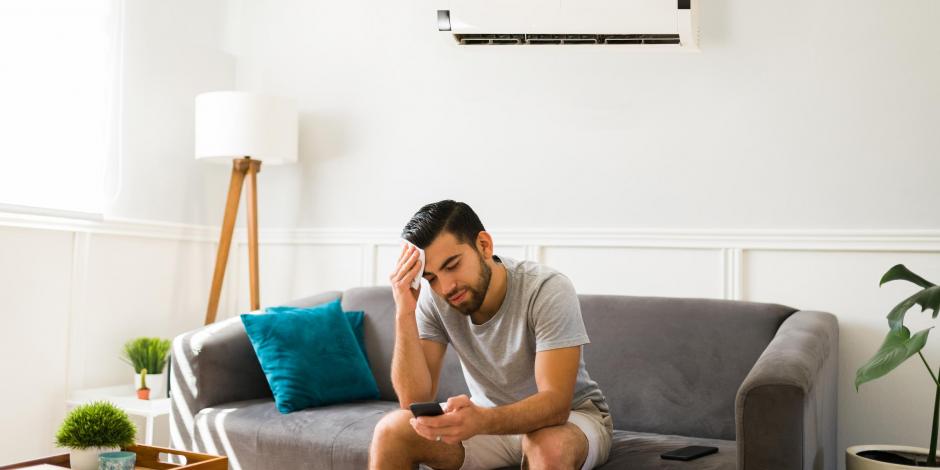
x=125, y=398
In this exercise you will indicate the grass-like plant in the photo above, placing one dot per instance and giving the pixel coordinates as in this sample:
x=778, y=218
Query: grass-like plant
x=147, y=353
x=900, y=344
x=96, y=424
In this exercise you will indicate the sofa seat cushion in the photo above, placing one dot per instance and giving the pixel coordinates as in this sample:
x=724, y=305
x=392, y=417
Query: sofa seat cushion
x=641, y=451
x=254, y=434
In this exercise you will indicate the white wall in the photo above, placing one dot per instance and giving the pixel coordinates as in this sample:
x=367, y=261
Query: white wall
x=796, y=114
x=74, y=292
x=173, y=51
x=796, y=117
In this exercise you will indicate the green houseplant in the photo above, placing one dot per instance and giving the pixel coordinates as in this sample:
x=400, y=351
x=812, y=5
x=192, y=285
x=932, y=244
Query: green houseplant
x=897, y=347
x=148, y=354
x=93, y=428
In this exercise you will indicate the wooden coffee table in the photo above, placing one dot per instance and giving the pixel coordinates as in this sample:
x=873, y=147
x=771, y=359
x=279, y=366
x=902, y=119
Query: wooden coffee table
x=147, y=459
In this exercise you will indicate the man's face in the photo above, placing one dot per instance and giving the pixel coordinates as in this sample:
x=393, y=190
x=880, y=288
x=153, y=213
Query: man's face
x=457, y=272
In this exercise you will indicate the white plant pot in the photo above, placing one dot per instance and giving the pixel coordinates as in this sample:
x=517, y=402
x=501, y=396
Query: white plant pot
x=853, y=461
x=155, y=382
x=87, y=459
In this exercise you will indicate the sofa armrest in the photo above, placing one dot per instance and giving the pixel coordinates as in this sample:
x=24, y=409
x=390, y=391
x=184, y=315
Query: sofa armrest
x=785, y=410
x=213, y=365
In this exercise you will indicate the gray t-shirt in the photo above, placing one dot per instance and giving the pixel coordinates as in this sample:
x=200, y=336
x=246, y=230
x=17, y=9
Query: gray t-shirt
x=540, y=312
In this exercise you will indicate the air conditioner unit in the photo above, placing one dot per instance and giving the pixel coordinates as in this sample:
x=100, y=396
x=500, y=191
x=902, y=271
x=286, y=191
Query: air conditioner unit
x=641, y=23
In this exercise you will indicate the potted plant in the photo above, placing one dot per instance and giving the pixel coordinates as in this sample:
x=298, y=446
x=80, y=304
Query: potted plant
x=91, y=429
x=898, y=346
x=150, y=354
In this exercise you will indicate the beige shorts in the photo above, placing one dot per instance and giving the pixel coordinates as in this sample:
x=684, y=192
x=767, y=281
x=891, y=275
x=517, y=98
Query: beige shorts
x=485, y=452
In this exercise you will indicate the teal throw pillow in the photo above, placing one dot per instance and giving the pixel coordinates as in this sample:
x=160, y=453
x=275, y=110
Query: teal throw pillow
x=310, y=356
x=355, y=319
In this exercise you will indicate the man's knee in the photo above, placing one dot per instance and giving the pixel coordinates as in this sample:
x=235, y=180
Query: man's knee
x=395, y=444
x=394, y=426
x=557, y=447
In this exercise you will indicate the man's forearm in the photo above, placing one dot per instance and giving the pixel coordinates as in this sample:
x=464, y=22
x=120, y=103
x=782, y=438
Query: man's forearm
x=410, y=375
x=548, y=408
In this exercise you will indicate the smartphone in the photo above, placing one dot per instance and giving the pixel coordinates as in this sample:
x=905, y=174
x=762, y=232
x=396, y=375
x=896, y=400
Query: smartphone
x=416, y=282
x=426, y=409
x=689, y=453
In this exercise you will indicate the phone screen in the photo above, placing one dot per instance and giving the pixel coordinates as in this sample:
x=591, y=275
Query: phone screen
x=426, y=409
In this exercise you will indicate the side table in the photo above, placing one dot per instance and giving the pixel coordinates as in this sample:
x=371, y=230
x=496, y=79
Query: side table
x=125, y=398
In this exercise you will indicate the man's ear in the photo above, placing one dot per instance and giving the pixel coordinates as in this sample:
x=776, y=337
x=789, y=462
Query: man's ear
x=485, y=244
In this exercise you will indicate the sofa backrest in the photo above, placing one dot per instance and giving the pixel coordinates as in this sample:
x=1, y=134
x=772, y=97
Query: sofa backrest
x=674, y=365
x=666, y=365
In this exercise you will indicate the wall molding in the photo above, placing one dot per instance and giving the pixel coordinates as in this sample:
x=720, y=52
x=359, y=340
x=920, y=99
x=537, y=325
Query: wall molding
x=733, y=244
x=533, y=239
x=112, y=226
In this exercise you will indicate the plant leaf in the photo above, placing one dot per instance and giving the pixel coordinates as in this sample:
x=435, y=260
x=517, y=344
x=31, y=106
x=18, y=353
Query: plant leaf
x=928, y=299
x=896, y=348
x=899, y=272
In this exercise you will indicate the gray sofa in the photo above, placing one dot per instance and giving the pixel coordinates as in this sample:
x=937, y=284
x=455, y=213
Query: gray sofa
x=756, y=380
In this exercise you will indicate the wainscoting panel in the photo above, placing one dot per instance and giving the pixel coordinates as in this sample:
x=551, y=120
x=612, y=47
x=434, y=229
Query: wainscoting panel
x=35, y=285
x=640, y=271
x=75, y=290
x=139, y=287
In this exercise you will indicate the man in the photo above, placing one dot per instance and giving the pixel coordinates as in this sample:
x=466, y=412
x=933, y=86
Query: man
x=516, y=327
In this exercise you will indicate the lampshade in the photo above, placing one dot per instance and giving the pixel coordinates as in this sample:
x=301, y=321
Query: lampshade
x=233, y=124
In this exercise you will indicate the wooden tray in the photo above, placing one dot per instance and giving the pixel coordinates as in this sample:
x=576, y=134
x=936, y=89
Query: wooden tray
x=147, y=459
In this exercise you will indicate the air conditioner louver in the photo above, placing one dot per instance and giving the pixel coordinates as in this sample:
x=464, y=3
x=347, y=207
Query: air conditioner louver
x=516, y=39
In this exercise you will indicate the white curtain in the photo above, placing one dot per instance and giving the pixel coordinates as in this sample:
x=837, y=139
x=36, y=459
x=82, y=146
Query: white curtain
x=59, y=102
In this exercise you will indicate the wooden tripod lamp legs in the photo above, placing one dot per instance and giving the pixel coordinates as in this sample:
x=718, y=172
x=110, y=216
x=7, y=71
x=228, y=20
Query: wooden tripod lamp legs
x=240, y=168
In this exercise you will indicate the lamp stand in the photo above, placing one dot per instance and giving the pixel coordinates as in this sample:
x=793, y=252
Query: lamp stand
x=241, y=167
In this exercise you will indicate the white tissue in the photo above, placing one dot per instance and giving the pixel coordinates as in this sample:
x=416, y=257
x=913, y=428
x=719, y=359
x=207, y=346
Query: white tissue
x=416, y=282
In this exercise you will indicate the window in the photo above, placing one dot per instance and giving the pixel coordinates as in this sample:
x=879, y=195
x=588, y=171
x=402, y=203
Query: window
x=59, y=69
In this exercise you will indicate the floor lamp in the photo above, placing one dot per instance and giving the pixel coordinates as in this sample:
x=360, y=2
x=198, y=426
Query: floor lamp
x=244, y=129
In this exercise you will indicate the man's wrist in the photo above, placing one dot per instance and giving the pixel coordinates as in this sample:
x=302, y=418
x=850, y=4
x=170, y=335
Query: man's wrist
x=487, y=418
x=403, y=313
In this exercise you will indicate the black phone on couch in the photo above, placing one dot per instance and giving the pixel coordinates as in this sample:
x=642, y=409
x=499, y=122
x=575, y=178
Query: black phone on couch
x=689, y=453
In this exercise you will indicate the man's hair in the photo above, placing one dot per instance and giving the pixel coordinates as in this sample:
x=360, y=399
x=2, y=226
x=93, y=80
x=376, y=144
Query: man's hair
x=449, y=216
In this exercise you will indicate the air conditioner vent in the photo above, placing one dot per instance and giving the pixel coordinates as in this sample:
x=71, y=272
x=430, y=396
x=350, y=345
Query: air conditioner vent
x=565, y=39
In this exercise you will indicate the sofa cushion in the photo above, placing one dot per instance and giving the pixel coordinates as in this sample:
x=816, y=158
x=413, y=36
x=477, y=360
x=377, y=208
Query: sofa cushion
x=253, y=434
x=310, y=357
x=641, y=451
x=674, y=365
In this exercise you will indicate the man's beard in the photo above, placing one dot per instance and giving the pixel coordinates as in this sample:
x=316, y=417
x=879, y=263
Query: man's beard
x=473, y=299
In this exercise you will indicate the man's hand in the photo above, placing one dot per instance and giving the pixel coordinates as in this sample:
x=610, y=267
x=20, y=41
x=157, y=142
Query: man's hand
x=406, y=298
x=460, y=422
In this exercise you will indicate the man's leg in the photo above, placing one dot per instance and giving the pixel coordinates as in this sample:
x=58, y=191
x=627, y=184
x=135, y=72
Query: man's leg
x=396, y=445
x=555, y=447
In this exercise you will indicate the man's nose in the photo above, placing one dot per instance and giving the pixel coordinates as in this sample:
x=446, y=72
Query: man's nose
x=451, y=285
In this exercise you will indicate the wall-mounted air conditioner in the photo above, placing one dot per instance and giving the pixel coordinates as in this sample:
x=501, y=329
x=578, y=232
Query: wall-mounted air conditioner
x=641, y=23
